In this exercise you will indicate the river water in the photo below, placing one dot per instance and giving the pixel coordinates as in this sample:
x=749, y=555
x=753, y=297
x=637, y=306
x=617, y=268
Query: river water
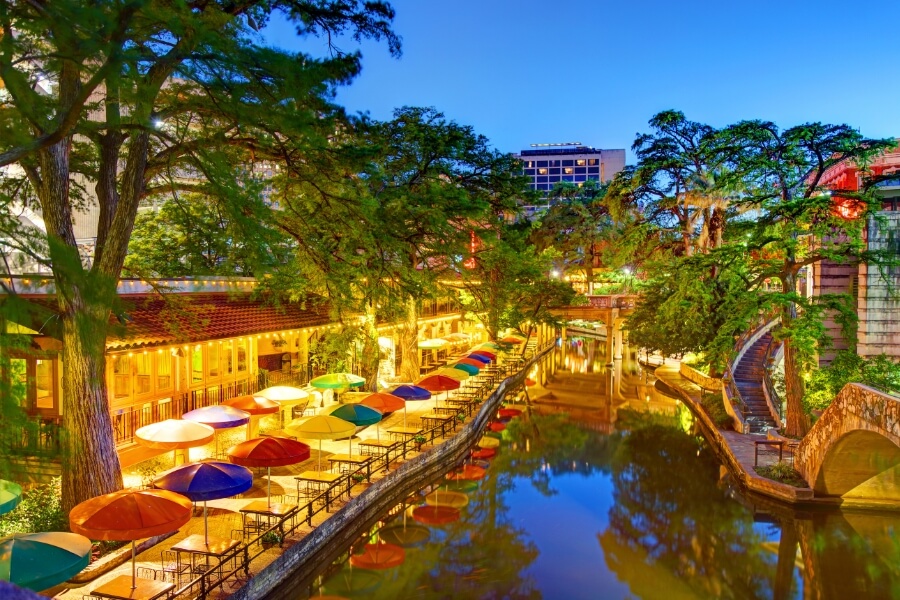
x=607, y=491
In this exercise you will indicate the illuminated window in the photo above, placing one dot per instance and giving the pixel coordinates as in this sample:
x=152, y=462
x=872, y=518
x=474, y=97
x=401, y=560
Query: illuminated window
x=19, y=380
x=542, y=171
x=163, y=370
x=228, y=350
x=569, y=170
x=121, y=376
x=592, y=161
x=580, y=162
x=213, y=359
x=242, y=355
x=142, y=384
x=197, y=364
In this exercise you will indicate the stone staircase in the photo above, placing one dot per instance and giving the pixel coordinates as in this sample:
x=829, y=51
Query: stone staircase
x=748, y=377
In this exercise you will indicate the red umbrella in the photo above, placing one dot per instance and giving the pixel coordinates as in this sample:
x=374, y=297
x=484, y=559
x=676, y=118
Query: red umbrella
x=435, y=515
x=467, y=472
x=438, y=383
x=497, y=426
x=268, y=452
x=379, y=556
x=484, y=453
x=130, y=515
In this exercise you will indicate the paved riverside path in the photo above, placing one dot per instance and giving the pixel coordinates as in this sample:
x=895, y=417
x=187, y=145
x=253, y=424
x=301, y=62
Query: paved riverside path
x=742, y=446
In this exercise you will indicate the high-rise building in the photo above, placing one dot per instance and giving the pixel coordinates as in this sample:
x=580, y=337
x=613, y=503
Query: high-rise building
x=548, y=164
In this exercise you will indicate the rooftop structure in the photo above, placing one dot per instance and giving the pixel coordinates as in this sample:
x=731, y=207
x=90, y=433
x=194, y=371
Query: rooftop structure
x=548, y=164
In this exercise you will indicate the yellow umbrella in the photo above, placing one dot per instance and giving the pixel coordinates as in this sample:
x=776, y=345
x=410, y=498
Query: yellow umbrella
x=488, y=442
x=320, y=427
x=453, y=373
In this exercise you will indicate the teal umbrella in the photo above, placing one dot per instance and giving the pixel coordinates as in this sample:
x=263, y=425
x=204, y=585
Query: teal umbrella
x=38, y=561
x=358, y=414
x=467, y=368
x=10, y=496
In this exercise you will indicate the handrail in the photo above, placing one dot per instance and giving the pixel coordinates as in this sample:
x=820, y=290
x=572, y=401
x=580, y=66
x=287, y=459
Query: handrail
x=210, y=580
x=772, y=396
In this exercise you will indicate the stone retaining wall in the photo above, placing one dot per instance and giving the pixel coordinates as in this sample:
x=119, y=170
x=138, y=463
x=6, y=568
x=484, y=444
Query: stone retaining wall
x=287, y=576
x=691, y=374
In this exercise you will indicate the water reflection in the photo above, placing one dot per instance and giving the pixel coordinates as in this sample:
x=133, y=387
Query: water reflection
x=604, y=493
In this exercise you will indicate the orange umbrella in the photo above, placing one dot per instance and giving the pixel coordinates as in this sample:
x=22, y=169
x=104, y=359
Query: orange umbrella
x=384, y=402
x=130, y=515
x=268, y=452
x=256, y=407
x=174, y=434
x=482, y=453
x=379, y=556
x=435, y=515
x=467, y=472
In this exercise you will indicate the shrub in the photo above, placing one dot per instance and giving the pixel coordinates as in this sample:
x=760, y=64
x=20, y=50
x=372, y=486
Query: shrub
x=782, y=472
x=879, y=372
x=40, y=510
x=712, y=404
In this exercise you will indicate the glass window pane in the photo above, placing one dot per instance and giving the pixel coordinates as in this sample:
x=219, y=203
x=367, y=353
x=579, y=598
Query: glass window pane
x=121, y=376
x=241, y=355
x=164, y=370
x=228, y=349
x=142, y=384
x=213, y=359
x=197, y=364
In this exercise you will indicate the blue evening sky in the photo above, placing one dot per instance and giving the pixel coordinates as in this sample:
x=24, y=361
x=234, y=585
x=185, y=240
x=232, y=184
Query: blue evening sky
x=594, y=71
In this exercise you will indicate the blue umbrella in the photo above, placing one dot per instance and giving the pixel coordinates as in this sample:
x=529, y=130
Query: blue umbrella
x=478, y=357
x=410, y=393
x=358, y=414
x=206, y=481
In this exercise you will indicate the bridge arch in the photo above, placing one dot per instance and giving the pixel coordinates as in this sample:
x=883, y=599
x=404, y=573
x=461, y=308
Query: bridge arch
x=853, y=450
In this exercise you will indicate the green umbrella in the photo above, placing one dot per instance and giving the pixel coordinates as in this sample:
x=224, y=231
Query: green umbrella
x=10, y=496
x=334, y=381
x=466, y=367
x=432, y=344
x=38, y=561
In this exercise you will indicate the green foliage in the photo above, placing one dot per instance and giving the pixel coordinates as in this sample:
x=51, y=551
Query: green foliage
x=825, y=383
x=40, y=510
x=270, y=537
x=782, y=472
x=712, y=403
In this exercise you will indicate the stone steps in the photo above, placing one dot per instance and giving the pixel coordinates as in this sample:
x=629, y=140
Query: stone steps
x=748, y=378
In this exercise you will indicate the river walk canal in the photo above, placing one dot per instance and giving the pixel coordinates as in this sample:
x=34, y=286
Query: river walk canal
x=606, y=491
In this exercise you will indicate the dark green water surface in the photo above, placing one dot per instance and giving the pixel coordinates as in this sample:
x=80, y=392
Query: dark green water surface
x=613, y=496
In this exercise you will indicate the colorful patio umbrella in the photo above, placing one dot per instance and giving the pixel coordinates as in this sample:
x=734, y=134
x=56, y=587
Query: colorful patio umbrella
x=256, y=407
x=175, y=435
x=478, y=357
x=384, y=402
x=379, y=556
x=410, y=393
x=129, y=515
x=268, y=452
x=478, y=364
x=432, y=344
x=320, y=427
x=485, y=353
x=218, y=416
x=333, y=381
x=204, y=481
x=465, y=366
x=438, y=383
x=358, y=414
x=435, y=515
x=354, y=397
x=10, y=496
x=453, y=373
x=38, y=561
x=286, y=396
x=447, y=498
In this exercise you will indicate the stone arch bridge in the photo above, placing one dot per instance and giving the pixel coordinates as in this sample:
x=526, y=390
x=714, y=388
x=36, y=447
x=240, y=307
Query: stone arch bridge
x=853, y=450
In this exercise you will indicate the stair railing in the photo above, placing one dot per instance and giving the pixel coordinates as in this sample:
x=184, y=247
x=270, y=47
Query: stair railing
x=776, y=405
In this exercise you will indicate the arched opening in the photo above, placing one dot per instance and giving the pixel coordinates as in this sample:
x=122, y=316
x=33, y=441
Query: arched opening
x=861, y=464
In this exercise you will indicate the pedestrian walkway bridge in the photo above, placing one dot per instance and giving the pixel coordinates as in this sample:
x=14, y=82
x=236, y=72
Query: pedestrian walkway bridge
x=853, y=450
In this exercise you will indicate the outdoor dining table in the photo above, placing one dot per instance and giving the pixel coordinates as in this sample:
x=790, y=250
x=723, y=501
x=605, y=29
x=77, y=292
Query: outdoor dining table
x=316, y=481
x=374, y=447
x=120, y=588
x=432, y=420
x=274, y=511
x=404, y=432
x=195, y=547
x=466, y=404
x=352, y=460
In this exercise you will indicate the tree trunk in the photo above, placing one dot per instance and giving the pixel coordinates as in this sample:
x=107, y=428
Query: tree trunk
x=370, y=361
x=409, y=343
x=796, y=419
x=787, y=555
x=89, y=450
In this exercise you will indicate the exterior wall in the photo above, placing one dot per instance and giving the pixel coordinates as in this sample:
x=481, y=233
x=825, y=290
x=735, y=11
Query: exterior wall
x=576, y=164
x=833, y=278
x=879, y=311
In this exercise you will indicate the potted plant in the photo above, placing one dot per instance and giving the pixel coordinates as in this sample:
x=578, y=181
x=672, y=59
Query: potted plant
x=419, y=440
x=270, y=538
x=358, y=477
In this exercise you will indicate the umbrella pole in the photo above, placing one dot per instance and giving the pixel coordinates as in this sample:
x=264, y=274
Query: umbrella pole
x=133, y=568
x=205, y=525
x=269, y=485
x=320, y=456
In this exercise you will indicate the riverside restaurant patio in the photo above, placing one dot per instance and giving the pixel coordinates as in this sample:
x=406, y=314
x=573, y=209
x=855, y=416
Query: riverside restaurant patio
x=236, y=527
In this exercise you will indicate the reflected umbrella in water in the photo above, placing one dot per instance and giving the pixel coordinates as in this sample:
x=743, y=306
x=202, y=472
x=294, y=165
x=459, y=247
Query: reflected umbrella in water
x=353, y=582
x=449, y=498
x=174, y=434
x=435, y=515
x=130, y=515
x=358, y=414
x=509, y=412
x=379, y=556
x=405, y=535
x=320, y=427
x=495, y=426
x=488, y=442
x=10, y=496
x=38, y=561
x=483, y=453
x=410, y=393
x=467, y=472
x=204, y=481
x=268, y=452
